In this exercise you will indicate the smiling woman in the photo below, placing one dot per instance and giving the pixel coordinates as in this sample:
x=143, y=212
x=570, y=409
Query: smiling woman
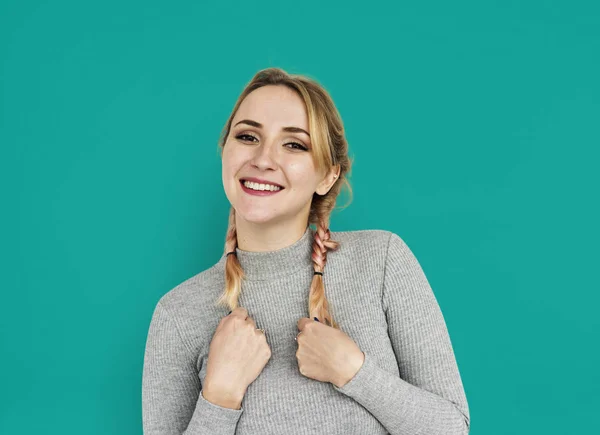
x=383, y=364
x=270, y=143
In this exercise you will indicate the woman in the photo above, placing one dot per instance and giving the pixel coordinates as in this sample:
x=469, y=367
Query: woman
x=371, y=355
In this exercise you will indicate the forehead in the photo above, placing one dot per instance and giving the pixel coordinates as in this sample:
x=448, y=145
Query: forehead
x=274, y=107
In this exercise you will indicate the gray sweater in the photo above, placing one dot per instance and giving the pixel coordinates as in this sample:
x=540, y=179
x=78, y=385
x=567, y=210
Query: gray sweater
x=408, y=384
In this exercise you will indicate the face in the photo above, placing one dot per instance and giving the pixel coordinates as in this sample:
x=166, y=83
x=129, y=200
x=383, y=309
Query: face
x=269, y=140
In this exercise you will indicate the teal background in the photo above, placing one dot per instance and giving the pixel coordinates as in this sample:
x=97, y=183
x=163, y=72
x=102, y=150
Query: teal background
x=474, y=130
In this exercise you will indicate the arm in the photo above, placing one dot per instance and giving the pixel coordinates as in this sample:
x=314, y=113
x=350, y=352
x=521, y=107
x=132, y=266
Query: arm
x=428, y=397
x=172, y=403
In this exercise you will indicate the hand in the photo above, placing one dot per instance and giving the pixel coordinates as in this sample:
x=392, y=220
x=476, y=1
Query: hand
x=326, y=354
x=237, y=355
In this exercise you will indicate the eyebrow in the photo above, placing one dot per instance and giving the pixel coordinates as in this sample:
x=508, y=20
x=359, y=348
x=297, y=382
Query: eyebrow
x=259, y=125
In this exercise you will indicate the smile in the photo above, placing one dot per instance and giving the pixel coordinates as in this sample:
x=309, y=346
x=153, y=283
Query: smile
x=265, y=192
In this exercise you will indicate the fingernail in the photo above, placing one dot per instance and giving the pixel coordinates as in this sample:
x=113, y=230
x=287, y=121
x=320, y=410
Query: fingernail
x=317, y=319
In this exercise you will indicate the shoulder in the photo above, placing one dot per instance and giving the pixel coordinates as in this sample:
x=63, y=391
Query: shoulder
x=379, y=246
x=364, y=249
x=372, y=240
x=195, y=293
x=360, y=238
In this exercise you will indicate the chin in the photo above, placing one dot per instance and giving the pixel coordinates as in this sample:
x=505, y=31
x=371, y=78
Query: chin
x=256, y=217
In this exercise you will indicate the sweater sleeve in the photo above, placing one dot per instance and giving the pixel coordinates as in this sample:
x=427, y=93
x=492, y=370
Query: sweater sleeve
x=172, y=400
x=428, y=397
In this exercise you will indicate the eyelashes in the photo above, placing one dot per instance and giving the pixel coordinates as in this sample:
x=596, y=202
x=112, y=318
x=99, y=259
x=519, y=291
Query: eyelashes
x=299, y=145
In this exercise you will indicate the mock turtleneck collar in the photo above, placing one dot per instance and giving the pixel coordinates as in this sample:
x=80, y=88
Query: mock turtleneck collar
x=274, y=264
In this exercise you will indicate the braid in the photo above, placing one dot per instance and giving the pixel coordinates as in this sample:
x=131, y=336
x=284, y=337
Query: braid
x=233, y=270
x=317, y=302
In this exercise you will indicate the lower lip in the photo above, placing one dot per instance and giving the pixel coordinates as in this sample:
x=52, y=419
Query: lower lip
x=259, y=192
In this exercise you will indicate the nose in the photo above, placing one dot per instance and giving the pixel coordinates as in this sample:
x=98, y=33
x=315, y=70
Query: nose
x=265, y=156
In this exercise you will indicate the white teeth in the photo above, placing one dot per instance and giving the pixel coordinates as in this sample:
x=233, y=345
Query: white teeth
x=260, y=186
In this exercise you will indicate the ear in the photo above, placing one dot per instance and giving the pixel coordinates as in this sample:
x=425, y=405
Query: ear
x=330, y=178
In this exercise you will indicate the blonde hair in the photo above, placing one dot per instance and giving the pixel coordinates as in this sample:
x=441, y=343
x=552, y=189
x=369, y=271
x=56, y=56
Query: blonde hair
x=329, y=149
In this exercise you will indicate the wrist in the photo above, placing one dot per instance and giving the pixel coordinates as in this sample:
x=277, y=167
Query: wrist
x=224, y=397
x=222, y=400
x=355, y=364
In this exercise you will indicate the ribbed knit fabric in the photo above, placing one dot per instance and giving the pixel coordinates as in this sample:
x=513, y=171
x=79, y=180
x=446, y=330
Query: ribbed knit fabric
x=408, y=384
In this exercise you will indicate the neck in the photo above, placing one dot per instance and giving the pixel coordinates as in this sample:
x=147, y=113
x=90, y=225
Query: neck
x=253, y=237
x=276, y=263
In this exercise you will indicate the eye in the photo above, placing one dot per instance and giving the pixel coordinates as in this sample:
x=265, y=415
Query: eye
x=249, y=137
x=242, y=136
x=299, y=146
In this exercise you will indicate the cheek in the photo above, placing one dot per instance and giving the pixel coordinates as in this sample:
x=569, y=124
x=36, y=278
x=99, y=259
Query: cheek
x=300, y=176
x=296, y=171
x=231, y=162
x=228, y=173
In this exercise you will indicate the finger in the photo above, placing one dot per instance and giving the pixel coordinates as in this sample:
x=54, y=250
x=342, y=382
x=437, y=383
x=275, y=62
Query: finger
x=251, y=321
x=302, y=322
x=240, y=312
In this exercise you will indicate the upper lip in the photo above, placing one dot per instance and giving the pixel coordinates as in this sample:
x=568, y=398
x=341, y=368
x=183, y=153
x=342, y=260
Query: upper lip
x=260, y=180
